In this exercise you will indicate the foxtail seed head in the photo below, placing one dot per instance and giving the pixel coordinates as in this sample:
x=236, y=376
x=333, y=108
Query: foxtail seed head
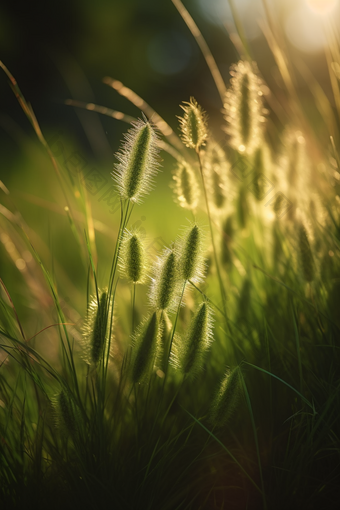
x=227, y=398
x=186, y=186
x=216, y=169
x=137, y=162
x=146, y=346
x=68, y=411
x=258, y=174
x=306, y=256
x=132, y=258
x=96, y=329
x=162, y=357
x=243, y=108
x=164, y=287
x=226, y=241
x=188, y=354
x=190, y=254
x=193, y=125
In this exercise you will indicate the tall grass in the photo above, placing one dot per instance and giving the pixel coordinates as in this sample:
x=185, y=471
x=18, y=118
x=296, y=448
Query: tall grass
x=227, y=393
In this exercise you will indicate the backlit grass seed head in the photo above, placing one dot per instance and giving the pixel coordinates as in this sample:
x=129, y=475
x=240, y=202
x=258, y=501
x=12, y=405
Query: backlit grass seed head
x=188, y=353
x=164, y=286
x=190, y=249
x=227, y=398
x=137, y=162
x=133, y=262
x=193, y=125
x=258, y=174
x=96, y=329
x=243, y=108
x=186, y=187
x=226, y=240
x=306, y=256
x=145, y=348
x=216, y=169
x=69, y=413
x=164, y=345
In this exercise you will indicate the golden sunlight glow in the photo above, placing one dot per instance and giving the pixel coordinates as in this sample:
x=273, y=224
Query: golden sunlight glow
x=322, y=6
x=304, y=28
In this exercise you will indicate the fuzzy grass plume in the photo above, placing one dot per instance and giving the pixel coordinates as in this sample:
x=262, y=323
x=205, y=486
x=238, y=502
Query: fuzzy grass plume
x=191, y=254
x=193, y=125
x=243, y=108
x=186, y=187
x=137, y=162
x=227, y=398
x=188, y=353
x=133, y=261
x=216, y=169
x=68, y=412
x=146, y=348
x=164, y=345
x=96, y=329
x=164, y=286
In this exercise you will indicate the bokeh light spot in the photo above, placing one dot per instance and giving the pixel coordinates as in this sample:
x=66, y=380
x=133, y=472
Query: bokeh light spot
x=304, y=30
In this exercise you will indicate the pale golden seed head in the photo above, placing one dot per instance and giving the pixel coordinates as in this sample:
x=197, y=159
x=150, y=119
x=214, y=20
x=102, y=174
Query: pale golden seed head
x=138, y=162
x=186, y=187
x=243, y=108
x=193, y=125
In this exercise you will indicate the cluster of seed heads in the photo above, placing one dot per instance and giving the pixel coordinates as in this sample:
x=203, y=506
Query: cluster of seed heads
x=243, y=108
x=244, y=114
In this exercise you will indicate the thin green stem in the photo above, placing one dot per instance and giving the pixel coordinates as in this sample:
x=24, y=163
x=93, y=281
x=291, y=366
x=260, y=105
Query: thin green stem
x=175, y=323
x=133, y=305
x=222, y=290
x=170, y=345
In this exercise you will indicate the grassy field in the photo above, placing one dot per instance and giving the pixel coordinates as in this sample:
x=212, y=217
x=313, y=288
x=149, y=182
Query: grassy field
x=169, y=333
